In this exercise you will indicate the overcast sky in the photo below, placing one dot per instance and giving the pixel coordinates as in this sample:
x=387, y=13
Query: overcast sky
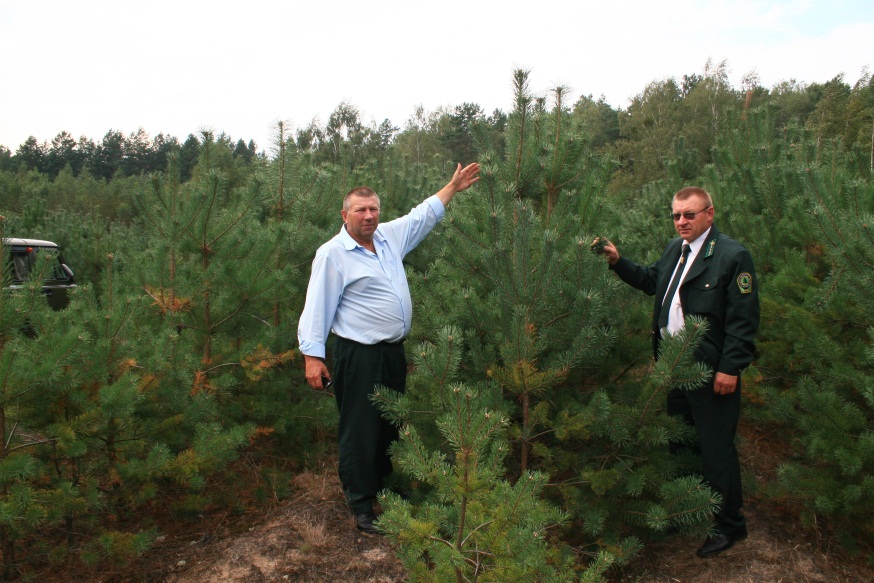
x=179, y=66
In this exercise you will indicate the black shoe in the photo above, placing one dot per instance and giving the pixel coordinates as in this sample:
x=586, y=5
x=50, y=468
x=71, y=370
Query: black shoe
x=720, y=542
x=365, y=523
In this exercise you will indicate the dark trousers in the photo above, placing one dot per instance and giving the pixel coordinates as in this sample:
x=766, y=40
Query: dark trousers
x=715, y=420
x=363, y=435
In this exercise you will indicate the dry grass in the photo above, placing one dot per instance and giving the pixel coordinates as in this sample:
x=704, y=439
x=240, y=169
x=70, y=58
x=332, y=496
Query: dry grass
x=313, y=531
x=320, y=485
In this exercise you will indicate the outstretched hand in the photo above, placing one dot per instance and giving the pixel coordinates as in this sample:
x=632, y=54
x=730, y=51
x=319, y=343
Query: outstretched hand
x=607, y=249
x=465, y=177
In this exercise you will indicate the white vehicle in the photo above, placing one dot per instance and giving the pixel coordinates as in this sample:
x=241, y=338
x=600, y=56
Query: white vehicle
x=21, y=257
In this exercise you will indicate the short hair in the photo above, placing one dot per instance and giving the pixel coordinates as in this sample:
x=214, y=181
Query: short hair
x=361, y=191
x=690, y=191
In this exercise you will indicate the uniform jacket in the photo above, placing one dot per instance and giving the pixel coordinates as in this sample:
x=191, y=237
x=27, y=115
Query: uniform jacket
x=720, y=286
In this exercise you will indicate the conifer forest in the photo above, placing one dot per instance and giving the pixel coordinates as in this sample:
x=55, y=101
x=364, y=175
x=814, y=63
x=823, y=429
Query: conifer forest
x=534, y=437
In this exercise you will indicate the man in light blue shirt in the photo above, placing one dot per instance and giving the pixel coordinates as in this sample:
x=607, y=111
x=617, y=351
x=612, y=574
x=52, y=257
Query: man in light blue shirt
x=358, y=290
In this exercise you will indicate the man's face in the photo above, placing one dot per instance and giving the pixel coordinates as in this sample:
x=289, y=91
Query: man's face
x=362, y=217
x=690, y=229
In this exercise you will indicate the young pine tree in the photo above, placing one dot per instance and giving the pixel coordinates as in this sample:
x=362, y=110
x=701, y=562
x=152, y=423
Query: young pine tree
x=832, y=410
x=539, y=313
x=469, y=522
x=34, y=382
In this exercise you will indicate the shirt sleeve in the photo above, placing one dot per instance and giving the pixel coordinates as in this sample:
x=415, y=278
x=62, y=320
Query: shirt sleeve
x=741, y=315
x=408, y=231
x=642, y=277
x=323, y=297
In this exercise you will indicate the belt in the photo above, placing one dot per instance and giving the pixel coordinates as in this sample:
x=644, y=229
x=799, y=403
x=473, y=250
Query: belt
x=380, y=343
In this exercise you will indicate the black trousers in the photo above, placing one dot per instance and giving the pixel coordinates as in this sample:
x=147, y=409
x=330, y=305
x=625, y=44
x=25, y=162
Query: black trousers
x=363, y=435
x=715, y=418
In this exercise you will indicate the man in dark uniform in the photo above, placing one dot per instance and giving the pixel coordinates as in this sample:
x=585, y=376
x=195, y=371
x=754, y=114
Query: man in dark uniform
x=707, y=274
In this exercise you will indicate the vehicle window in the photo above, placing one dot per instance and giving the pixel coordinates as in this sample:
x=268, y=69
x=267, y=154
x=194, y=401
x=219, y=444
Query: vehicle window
x=23, y=262
x=21, y=267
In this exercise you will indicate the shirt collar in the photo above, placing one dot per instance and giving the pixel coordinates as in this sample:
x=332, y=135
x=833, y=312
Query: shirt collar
x=695, y=246
x=349, y=243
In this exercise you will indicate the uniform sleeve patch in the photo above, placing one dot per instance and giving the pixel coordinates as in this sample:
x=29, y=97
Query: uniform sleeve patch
x=745, y=283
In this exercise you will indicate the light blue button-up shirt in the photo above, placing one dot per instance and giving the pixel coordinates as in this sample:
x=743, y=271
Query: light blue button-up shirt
x=360, y=295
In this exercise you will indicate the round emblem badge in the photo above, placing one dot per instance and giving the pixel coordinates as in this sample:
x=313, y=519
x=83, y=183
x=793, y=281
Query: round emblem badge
x=745, y=283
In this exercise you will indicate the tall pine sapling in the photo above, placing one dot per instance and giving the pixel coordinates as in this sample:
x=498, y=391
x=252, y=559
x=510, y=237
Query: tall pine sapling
x=472, y=524
x=33, y=382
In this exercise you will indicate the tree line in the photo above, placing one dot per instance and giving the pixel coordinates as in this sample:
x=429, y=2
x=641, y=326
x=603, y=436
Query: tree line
x=115, y=155
x=637, y=136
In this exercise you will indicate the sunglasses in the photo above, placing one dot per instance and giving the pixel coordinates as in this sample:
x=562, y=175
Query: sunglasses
x=688, y=215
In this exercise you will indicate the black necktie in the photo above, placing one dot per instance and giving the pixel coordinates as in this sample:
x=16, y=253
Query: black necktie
x=672, y=289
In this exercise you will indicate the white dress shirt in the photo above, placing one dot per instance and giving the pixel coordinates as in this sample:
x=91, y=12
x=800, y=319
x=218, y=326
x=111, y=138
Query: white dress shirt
x=675, y=313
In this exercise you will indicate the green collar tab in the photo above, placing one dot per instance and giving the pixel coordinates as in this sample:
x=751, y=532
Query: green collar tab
x=710, y=246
